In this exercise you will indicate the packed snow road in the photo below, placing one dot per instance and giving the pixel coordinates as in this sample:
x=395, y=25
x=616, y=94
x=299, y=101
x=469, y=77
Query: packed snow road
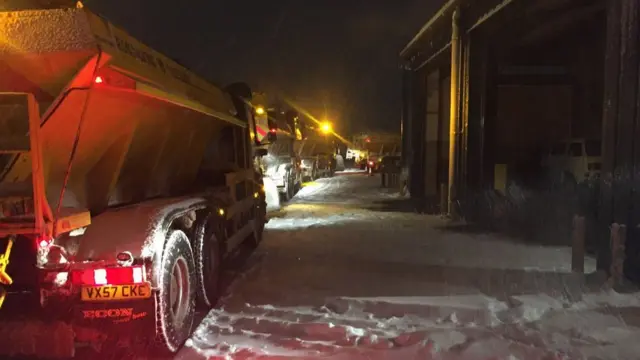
x=341, y=276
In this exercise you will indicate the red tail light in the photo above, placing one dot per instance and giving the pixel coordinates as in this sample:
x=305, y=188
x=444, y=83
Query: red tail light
x=273, y=130
x=112, y=78
x=109, y=276
x=371, y=163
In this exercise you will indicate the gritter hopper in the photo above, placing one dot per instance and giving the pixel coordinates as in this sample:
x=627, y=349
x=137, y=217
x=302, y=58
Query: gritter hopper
x=91, y=119
x=111, y=121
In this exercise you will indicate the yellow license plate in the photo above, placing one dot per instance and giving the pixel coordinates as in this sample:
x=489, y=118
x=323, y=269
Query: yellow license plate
x=116, y=292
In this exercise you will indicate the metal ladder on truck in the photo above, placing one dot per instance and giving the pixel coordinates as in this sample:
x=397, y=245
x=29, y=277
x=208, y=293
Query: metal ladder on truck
x=17, y=144
x=22, y=186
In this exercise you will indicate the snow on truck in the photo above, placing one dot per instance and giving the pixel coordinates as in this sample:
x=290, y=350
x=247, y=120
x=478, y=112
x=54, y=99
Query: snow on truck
x=281, y=165
x=125, y=179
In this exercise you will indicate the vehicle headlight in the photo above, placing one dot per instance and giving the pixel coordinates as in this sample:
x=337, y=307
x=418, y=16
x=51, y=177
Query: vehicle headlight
x=271, y=171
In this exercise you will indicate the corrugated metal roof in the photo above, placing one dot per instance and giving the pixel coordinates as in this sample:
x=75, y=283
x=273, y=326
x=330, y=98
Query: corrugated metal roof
x=435, y=35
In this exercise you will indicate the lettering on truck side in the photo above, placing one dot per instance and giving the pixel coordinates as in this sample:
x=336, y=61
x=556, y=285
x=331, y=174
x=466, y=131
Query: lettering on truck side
x=151, y=60
x=108, y=313
x=118, y=315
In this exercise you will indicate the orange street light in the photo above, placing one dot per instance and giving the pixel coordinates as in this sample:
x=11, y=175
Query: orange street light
x=326, y=127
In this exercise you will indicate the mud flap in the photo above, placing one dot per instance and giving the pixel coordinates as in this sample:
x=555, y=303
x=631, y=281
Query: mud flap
x=25, y=329
x=29, y=337
x=116, y=323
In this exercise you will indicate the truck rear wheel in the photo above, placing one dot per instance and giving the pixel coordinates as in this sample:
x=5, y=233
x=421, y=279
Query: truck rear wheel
x=259, y=220
x=286, y=195
x=177, y=295
x=208, y=258
x=291, y=189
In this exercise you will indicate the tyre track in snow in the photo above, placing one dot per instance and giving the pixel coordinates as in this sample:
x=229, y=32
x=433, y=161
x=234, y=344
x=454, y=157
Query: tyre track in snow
x=331, y=281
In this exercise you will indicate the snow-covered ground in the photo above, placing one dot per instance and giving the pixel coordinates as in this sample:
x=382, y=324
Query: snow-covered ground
x=338, y=277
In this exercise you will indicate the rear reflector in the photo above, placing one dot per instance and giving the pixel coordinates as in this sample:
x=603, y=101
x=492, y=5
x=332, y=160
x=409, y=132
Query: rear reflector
x=44, y=241
x=109, y=276
x=100, y=277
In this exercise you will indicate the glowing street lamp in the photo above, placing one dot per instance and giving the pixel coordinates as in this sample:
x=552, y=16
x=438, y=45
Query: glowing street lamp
x=326, y=127
x=259, y=110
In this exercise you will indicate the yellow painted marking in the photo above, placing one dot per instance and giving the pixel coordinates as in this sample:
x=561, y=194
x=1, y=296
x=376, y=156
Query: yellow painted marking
x=4, y=261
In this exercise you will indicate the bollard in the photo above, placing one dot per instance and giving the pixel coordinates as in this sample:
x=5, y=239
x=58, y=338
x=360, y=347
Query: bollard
x=618, y=239
x=577, y=245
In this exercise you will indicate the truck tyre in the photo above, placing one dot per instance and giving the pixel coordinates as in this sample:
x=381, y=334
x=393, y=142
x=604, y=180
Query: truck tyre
x=291, y=189
x=288, y=188
x=207, y=252
x=177, y=296
x=258, y=224
x=284, y=196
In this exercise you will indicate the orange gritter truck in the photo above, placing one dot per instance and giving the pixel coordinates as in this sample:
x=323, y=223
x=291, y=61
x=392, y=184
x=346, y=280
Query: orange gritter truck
x=125, y=181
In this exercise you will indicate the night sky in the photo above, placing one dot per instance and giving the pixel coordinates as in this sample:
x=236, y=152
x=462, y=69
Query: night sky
x=338, y=55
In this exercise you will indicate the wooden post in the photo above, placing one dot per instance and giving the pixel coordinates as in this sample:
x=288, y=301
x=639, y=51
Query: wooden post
x=577, y=248
x=609, y=130
x=618, y=239
x=620, y=152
